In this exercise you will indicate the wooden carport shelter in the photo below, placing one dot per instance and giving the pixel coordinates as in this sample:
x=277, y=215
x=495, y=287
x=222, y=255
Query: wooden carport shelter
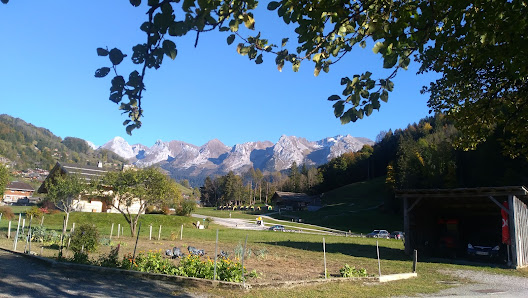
x=431, y=214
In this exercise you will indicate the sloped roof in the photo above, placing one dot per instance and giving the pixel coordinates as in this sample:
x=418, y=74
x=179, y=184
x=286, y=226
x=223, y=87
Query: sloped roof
x=463, y=192
x=293, y=196
x=86, y=172
x=16, y=185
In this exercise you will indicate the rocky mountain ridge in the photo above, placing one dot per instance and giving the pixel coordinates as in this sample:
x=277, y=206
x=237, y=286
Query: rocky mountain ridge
x=183, y=160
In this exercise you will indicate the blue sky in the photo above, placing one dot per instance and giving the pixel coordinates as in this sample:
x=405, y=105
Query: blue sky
x=48, y=59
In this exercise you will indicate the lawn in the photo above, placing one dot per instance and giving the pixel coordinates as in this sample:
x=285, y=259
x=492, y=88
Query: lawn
x=275, y=256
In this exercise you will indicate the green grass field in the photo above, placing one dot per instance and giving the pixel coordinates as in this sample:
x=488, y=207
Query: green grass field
x=275, y=255
x=281, y=256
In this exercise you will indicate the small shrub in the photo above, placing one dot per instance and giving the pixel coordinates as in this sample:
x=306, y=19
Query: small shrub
x=7, y=212
x=110, y=260
x=40, y=234
x=166, y=210
x=80, y=258
x=187, y=207
x=104, y=241
x=347, y=271
x=173, y=236
x=86, y=236
x=150, y=262
x=35, y=212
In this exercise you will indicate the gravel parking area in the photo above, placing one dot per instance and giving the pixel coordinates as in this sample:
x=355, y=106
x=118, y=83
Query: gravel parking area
x=485, y=284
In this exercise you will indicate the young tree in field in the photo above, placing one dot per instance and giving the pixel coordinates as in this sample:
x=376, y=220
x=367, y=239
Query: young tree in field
x=140, y=188
x=65, y=192
x=4, y=179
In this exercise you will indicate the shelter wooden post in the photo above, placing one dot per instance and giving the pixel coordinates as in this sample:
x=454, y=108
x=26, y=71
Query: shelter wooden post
x=511, y=224
x=406, y=229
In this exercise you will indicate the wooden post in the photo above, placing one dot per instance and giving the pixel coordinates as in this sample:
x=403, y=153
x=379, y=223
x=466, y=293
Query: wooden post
x=159, y=234
x=1, y=216
x=9, y=230
x=111, y=231
x=72, y=228
x=42, y=220
x=379, y=263
x=513, y=235
x=181, y=233
x=415, y=260
x=23, y=224
x=41, y=250
x=150, y=232
x=118, y=230
x=243, y=253
x=16, y=235
x=324, y=258
x=216, y=256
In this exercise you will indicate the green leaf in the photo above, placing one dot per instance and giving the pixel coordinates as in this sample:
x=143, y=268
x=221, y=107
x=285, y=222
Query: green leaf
x=384, y=96
x=102, y=72
x=364, y=93
x=259, y=59
x=135, y=3
x=390, y=60
x=230, y=39
x=153, y=2
x=130, y=128
x=317, y=70
x=169, y=48
x=284, y=41
x=339, y=106
x=334, y=97
x=377, y=47
x=102, y=52
x=145, y=27
x=5, y=1
x=296, y=65
x=368, y=109
x=116, y=56
x=126, y=122
x=363, y=44
x=273, y=5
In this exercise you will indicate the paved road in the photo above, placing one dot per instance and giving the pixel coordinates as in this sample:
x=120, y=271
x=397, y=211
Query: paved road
x=24, y=277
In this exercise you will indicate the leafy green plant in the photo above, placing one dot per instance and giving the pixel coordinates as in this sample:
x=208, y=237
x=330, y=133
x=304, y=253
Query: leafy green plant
x=152, y=261
x=105, y=241
x=80, y=257
x=34, y=212
x=84, y=238
x=347, y=271
x=111, y=259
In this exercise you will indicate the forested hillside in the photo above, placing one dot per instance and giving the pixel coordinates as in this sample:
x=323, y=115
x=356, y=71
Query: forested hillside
x=28, y=146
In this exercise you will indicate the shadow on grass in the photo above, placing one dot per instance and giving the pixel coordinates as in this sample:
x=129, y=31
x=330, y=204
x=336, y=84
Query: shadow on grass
x=351, y=249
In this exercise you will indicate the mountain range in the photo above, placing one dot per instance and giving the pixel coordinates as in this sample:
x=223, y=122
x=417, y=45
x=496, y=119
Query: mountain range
x=187, y=161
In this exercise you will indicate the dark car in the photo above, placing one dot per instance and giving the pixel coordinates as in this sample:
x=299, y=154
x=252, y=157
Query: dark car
x=378, y=234
x=397, y=235
x=491, y=251
x=277, y=228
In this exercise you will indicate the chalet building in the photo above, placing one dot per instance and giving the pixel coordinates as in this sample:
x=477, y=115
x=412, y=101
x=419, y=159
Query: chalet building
x=295, y=201
x=17, y=190
x=87, y=202
x=450, y=222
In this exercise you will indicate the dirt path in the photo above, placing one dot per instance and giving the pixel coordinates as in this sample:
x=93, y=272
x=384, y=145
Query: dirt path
x=24, y=277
